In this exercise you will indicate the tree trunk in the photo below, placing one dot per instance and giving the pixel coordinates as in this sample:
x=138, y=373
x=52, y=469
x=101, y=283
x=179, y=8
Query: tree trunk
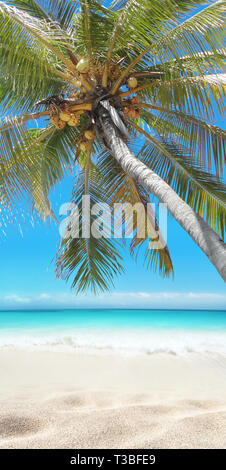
x=198, y=229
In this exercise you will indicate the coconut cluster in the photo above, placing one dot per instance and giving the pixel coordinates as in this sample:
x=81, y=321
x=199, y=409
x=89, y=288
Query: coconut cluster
x=88, y=135
x=84, y=77
x=64, y=117
x=130, y=108
x=82, y=69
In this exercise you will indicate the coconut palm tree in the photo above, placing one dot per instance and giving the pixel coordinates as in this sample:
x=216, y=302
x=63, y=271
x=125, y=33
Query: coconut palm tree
x=126, y=96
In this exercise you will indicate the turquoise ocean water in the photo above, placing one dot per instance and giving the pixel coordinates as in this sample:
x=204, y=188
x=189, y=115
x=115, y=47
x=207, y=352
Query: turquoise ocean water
x=128, y=331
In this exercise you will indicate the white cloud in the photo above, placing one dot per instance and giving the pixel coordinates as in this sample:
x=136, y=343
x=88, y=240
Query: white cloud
x=14, y=298
x=44, y=296
x=116, y=299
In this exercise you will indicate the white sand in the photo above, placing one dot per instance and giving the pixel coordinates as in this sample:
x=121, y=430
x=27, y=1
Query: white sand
x=59, y=400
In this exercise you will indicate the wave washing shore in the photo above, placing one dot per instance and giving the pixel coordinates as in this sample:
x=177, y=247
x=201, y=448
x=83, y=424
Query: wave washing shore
x=80, y=379
x=125, y=331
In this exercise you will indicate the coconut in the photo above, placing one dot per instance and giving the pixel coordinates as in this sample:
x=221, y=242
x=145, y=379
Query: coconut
x=83, y=65
x=135, y=100
x=83, y=146
x=73, y=121
x=89, y=135
x=132, y=113
x=132, y=82
x=65, y=116
x=54, y=119
x=77, y=83
x=61, y=124
x=126, y=110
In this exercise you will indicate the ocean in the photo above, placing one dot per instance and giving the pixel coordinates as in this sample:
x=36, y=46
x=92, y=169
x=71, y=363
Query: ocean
x=116, y=330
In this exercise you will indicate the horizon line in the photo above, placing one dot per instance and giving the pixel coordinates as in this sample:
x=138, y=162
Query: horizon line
x=111, y=308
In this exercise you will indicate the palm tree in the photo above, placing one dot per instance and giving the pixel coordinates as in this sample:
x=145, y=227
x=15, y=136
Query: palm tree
x=126, y=97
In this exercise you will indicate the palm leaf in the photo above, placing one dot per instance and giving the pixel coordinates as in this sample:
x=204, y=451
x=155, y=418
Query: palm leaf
x=201, y=32
x=16, y=22
x=121, y=188
x=33, y=161
x=200, y=96
x=200, y=63
x=92, y=262
x=91, y=28
x=207, y=143
x=86, y=19
x=195, y=186
x=61, y=11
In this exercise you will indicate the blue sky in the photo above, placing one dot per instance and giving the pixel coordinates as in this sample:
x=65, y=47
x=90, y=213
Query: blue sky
x=27, y=278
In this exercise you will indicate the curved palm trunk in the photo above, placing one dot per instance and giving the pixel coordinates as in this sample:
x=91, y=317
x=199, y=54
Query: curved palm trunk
x=198, y=229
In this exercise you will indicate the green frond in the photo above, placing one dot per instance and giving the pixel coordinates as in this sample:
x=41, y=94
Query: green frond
x=29, y=70
x=202, y=96
x=60, y=11
x=122, y=20
x=19, y=170
x=121, y=188
x=86, y=18
x=158, y=260
x=37, y=80
x=18, y=24
x=92, y=262
x=173, y=37
x=91, y=28
x=141, y=23
x=54, y=159
x=12, y=180
x=33, y=161
x=32, y=7
x=200, y=63
x=206, y=142
x=201, y=190
x=202, y=32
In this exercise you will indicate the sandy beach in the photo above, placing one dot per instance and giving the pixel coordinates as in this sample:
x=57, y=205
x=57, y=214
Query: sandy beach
x=89, y=400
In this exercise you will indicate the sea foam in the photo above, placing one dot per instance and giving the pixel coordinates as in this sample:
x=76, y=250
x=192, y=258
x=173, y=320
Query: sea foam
x=127, y=341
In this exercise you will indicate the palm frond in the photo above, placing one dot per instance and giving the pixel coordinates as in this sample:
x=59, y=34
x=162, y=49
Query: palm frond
x=19, y=170
x=121, y=188
x=96, y=21
x=86, y=19
x=199, y=63
x=123, y=19
x=198, y=188
x=206, y=142
x=32, y=7
x=62, y=12
x=15, y=22
x=33, y=161
x=202, y=96
x=93, y=262
x=199, y=33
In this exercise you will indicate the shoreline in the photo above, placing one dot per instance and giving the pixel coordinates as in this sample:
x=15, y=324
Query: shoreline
x=61, y=400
